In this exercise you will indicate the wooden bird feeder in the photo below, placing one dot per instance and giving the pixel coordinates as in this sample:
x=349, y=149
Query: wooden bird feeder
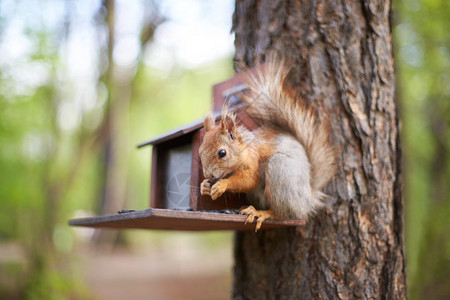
x=176, y=174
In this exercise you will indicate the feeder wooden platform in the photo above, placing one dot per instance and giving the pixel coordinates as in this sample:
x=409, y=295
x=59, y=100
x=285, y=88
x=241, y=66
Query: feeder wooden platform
x=167, y=219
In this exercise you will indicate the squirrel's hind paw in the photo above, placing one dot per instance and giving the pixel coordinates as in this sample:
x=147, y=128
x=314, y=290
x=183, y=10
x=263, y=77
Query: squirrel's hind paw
x=252, y=213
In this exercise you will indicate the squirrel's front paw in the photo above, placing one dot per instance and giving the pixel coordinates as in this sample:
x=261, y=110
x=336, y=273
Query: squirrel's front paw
x=205, y=188
x=218, y=189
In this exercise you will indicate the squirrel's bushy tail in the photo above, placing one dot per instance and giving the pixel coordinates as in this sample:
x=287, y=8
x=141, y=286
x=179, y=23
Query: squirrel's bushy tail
x=269, y=101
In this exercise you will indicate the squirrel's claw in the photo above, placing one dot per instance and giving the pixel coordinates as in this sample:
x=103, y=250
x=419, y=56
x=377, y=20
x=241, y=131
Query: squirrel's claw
x=252, y=213
x=218, y=189
x=205, y=188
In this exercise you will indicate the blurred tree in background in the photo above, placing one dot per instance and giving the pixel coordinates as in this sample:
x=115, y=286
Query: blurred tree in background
x=83, y=82
x=80, y=86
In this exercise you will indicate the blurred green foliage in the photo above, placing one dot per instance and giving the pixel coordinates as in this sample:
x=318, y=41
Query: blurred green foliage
x=52, y=154
x=423, y=57
x=52, y=134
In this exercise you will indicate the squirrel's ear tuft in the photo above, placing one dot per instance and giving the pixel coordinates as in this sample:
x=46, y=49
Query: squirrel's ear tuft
x=208, y=123
x=228, y=125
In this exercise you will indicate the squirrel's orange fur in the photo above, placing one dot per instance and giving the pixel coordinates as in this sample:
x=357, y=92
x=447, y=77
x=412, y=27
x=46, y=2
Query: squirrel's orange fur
x=283, y=165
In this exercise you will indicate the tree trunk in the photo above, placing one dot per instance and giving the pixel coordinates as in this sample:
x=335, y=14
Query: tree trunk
x=344, y=67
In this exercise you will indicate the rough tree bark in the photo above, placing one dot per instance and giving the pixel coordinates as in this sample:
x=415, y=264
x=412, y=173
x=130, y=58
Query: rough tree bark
x=344, y=65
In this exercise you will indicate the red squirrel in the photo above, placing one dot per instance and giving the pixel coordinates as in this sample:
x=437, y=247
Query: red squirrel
x=282, y=165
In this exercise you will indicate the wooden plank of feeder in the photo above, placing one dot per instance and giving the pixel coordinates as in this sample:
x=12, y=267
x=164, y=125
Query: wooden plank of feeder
x=155, y=199
x=166, y=219
x=196, y=170
x=223, y=90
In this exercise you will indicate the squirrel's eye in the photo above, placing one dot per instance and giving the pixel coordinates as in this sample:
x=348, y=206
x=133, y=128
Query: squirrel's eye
x=222, y=153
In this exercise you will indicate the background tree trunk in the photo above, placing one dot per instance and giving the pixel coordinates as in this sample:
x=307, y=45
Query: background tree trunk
x=344, y=65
